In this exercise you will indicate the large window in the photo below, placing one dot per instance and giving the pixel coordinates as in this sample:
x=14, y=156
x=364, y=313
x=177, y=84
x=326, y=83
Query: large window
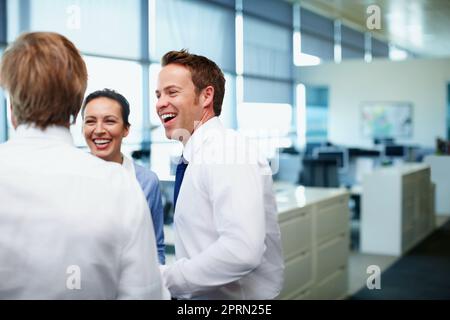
x=102, y=27
x=352, y=43
x=265, y=111
x=267, y=50
x=316, y=114
x=268, y=124
x=3, y=32
x=267, y=37
x=317, y=35
x=380, y=49
x=123, y=41
x=204, y=28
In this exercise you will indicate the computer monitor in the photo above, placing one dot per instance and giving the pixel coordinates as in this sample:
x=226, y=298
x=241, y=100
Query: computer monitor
x=394, y=151
x=384, y=141
x=319, y=173
x=341, y=155
x=311, y=147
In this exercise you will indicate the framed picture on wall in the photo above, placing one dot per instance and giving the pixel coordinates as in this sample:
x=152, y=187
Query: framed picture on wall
x=386, y=119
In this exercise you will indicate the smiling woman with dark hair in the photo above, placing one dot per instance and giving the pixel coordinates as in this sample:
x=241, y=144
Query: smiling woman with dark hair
x=105, y=123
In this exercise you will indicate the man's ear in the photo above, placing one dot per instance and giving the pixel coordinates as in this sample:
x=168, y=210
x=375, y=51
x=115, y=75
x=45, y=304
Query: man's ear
x=207, y=96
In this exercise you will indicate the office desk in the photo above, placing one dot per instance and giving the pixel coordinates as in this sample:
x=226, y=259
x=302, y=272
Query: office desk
x=314, y=225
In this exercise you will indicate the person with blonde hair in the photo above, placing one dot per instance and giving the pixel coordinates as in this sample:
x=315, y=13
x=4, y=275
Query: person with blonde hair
x=71, y=225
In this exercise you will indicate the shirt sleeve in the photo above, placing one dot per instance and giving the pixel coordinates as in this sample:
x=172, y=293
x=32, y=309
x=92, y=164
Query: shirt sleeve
x=140, y=277
x=236, y=194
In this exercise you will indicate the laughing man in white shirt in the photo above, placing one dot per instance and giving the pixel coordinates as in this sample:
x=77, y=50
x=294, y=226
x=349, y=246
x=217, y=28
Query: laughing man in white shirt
x=227, y=239
x=72, y=226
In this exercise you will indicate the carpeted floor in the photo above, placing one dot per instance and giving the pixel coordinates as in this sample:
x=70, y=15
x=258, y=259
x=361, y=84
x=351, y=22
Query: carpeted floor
x=423, y=273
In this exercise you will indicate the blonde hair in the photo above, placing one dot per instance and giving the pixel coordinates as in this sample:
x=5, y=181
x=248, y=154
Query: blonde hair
x=46, y=79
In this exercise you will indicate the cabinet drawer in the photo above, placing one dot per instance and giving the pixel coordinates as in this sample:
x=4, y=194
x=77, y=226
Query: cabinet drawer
x=332, y=221
x=425, y=174
x=408, y=214
x=331, y=256
x=296, y=235
x=422, y=227
x=292, y=213
x=409, y=178
x=408, y=238
x=331, y=202
x=333, y=287
x=297, y=275
x=408, y=196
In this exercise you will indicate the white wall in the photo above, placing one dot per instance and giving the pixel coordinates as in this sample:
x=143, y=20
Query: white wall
x=422, y=82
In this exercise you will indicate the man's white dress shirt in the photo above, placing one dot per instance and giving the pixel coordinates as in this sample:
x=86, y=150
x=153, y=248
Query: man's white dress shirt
x=227, y=238
x=72, y=226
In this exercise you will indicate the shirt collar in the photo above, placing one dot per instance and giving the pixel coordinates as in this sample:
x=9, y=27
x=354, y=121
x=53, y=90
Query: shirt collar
x=199, y=136
x=53, y=132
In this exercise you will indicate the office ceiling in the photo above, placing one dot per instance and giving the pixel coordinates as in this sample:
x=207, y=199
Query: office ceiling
x=421, y=26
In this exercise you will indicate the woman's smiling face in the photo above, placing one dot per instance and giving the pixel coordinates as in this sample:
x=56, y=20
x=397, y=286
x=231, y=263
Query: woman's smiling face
x=104, y=128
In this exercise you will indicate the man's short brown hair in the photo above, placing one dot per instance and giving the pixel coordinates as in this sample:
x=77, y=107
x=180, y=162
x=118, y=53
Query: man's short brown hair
x=204, y=72
x=46, y=79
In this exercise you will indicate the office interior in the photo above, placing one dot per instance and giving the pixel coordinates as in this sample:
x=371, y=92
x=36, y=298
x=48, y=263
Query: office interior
x=348, y=100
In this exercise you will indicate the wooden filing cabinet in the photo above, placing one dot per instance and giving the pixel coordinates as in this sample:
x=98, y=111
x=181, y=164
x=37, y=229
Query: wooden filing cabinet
x=334, y=286
x=331, y=246
x=296, y=237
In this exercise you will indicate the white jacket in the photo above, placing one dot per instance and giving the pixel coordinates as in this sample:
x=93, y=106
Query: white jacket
x=72, y=226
